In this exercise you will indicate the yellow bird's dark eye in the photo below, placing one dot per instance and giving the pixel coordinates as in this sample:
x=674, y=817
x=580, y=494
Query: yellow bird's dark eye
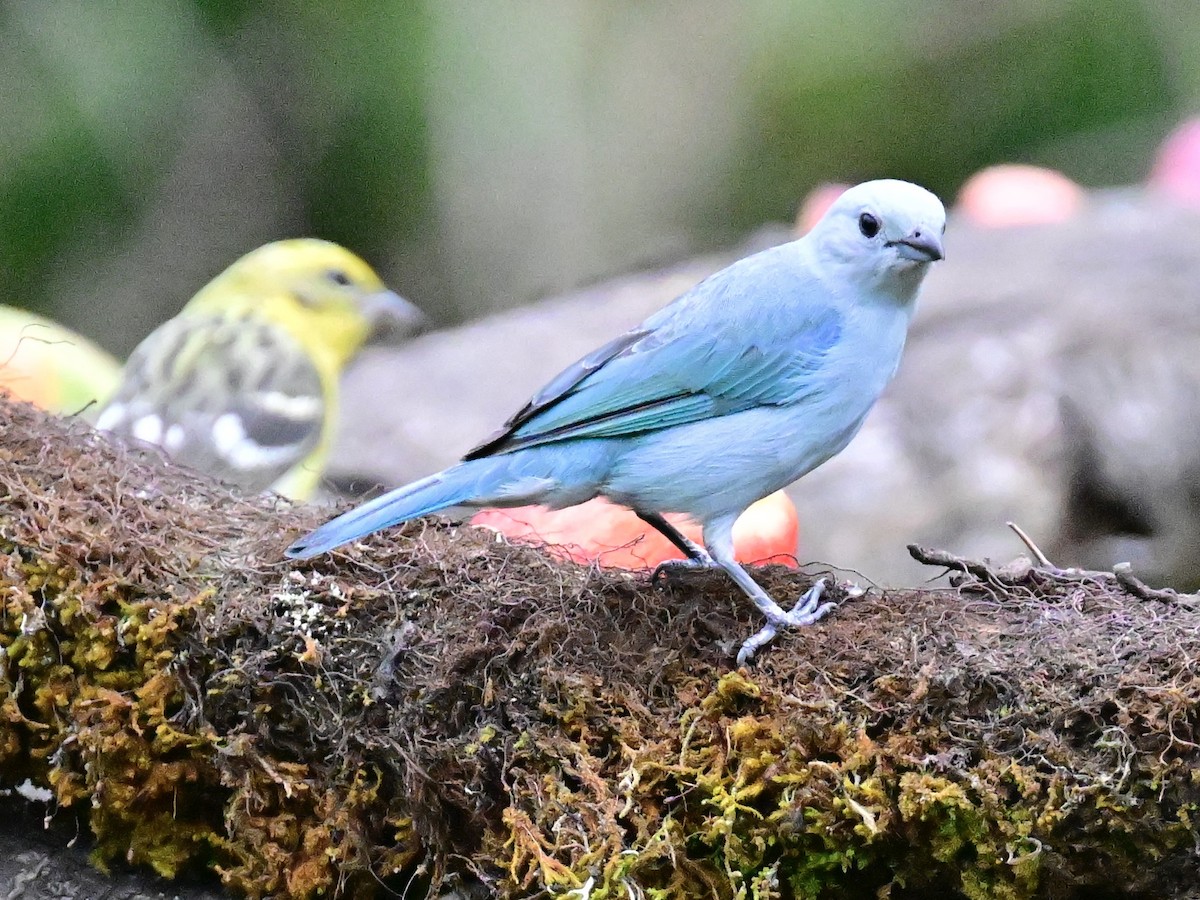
x=868, y=225
x=337, y=276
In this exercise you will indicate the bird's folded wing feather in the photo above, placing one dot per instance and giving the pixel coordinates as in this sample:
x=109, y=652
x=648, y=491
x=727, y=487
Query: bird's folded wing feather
x=238, y=399
x=655, y=378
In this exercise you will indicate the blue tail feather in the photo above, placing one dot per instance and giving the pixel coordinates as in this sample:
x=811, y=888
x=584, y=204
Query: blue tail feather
x=429, y=495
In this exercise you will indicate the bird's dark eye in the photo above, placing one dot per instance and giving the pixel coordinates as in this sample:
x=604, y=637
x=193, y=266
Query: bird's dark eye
x=337, y=276
x=868, y=225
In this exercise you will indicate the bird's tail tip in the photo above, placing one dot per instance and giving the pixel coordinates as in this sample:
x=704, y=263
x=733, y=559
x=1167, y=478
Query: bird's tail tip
x=322, y=540
x=436, y=493
x=299, y=550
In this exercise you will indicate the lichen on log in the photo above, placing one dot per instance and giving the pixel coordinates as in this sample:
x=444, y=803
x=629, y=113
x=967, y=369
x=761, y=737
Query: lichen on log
x=434, y=708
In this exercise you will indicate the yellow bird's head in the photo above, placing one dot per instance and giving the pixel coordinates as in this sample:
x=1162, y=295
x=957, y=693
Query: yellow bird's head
x=319, y=292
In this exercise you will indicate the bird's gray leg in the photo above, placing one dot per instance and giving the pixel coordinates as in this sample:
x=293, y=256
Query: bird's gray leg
x=697, y=556
x=718, y=535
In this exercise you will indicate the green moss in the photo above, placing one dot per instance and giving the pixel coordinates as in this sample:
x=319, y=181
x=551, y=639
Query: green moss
x=426, y=710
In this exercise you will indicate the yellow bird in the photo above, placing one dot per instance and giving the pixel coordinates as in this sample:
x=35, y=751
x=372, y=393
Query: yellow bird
x=243, y=382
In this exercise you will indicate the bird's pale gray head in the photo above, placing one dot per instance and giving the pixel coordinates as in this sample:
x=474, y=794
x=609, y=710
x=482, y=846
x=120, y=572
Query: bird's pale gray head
x=883, y=234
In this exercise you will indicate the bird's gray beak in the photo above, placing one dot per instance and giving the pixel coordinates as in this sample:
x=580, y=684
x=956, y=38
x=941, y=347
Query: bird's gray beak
x=921, y=246
x=392, y=317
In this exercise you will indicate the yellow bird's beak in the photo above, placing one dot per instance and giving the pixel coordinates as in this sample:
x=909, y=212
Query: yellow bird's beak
x=392, y=317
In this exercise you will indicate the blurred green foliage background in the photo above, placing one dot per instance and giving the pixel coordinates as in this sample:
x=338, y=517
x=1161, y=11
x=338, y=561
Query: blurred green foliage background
x=482, y=154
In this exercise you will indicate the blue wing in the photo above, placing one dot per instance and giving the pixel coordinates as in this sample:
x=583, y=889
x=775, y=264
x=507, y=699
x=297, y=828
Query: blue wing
x=659, y=376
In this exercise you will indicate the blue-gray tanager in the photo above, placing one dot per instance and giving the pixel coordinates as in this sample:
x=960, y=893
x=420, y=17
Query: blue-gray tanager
x=745, y=383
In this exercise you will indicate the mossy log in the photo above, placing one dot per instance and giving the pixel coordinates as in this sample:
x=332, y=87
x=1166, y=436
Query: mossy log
x=436, y=711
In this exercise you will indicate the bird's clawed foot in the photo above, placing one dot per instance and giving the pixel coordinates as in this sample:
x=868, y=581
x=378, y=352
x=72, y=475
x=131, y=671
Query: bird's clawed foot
x=808, y=609
x=672, y=567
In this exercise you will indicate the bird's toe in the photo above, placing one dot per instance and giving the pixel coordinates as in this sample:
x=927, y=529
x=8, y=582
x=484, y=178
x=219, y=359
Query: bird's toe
x=672, y=568
x=798, y=618
x=809, y=608
x=755, y=642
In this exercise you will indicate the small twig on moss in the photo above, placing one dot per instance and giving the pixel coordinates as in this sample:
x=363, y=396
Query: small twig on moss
x=1137, y=587
x=1012, y=575
x=1038, y=556
x=931, y=557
